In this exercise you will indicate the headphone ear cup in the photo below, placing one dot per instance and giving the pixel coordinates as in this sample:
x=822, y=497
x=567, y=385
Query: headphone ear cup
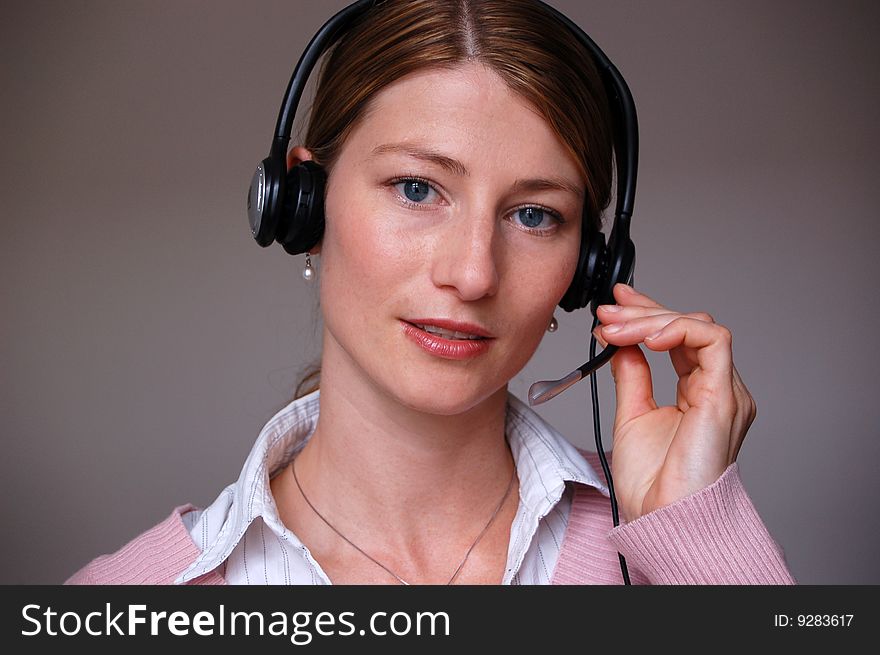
x=264, y=200
x=590, y=270
x=302, y=219
x=621, y=262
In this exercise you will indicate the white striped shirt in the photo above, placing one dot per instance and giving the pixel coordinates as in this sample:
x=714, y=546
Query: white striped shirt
x=241, y=532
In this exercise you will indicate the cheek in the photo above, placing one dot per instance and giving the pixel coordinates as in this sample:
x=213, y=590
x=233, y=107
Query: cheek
x=541, y=283
x=565, y=270
x=535, y=291
x=365, y=261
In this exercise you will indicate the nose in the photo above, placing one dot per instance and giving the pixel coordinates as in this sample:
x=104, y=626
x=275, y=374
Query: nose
x=465, y=256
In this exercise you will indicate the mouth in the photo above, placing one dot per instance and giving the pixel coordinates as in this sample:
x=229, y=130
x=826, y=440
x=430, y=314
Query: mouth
x=452, y=330
x=448, y=339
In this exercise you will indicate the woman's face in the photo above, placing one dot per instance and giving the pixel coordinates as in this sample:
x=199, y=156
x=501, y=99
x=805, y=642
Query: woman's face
x=452, y=200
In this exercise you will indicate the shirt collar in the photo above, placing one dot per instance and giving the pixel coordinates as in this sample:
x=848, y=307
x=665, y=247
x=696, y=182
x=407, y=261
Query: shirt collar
x=544, y=459
x=250, y=496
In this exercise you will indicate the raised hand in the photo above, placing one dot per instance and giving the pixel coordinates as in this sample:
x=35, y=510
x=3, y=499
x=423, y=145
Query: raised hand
x=662, y=454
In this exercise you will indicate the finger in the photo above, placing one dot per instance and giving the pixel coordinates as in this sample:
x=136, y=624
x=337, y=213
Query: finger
x=626, y=295
x=708, y=344
x=626, y=333
x=684, y=353
x=747, y=411
x=632, y=380
x=630, y=298
x=634, y=330
x=616, y=313
x=598, y=334
x=683, y=360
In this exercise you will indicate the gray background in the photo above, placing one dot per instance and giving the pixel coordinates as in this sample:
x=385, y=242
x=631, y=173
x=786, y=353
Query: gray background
x=146, y=338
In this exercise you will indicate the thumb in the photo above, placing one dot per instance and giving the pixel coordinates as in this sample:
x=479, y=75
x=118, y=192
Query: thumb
x=632, y=379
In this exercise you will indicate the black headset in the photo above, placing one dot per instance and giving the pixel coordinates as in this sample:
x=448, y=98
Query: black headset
x=288, y=206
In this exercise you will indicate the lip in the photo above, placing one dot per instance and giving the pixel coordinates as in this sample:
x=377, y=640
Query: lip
x=457, y=349
x=456, y=326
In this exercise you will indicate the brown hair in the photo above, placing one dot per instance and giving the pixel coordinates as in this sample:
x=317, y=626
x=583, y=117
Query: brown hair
x=520, y=40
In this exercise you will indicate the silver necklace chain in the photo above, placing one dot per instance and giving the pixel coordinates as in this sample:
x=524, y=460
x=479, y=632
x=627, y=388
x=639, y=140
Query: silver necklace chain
x=377, y=562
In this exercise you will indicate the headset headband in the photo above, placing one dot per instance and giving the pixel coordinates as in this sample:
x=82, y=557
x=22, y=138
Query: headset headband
x=626, y=134
x=287, y=206
x=293, y=213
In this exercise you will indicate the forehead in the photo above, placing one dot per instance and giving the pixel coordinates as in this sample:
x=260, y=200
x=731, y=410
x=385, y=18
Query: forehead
x=468, y=112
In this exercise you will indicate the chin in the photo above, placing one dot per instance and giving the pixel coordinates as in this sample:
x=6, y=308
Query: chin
x=442, y=396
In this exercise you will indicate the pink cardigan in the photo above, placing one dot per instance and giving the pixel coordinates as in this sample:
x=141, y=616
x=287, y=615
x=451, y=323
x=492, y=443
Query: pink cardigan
x=713, y=536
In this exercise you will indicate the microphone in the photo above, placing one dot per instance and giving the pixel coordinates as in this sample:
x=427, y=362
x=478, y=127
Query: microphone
x=541, y=392
x=544, y=390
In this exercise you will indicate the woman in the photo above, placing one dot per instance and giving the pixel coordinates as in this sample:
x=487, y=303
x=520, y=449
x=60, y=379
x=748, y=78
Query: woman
x=463, y=151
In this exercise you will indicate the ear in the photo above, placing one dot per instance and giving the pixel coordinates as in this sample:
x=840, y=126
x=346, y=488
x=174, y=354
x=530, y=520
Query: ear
x=296, y=155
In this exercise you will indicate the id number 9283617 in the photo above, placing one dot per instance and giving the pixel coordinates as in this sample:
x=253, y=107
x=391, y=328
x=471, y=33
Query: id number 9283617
x=813, y=620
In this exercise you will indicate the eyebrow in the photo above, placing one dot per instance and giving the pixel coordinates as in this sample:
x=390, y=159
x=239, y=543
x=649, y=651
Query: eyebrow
x=455, y=167
x=452, y=165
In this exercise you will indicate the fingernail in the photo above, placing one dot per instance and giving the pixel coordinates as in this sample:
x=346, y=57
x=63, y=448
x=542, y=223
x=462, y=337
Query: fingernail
x=611, y=329
x=653, y=336
x=610, y=308
x=598, y=334
x=626, y=286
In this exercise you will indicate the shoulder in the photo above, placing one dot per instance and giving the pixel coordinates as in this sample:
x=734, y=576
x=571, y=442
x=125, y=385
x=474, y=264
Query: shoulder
x=156, y=556
x=590, y=514
x=590, y=507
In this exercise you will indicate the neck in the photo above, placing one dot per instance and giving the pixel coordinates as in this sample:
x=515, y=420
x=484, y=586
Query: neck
x=399, y=474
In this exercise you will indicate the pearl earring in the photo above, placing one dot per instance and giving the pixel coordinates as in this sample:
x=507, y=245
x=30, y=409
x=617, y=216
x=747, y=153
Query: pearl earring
x=308, y=271
x=554, y=325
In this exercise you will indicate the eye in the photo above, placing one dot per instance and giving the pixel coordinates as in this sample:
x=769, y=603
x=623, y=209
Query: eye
x=413, y=189
x=530, y=216
x=538, y=220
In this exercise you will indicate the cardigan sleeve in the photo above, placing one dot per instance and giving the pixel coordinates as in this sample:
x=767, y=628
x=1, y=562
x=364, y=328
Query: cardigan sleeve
x=155, y=557
x=713, y=536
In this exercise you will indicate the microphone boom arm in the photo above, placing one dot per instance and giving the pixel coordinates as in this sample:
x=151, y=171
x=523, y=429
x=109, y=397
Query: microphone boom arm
x=544, y=390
